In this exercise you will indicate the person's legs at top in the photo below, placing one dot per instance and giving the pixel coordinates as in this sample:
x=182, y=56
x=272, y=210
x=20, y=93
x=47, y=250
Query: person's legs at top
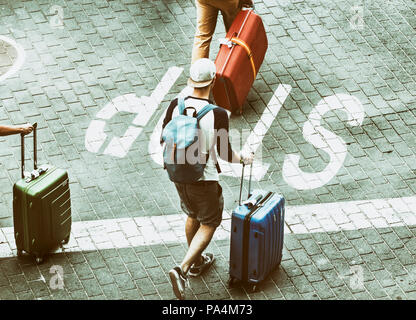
x=206, y=16
x=229, y=10
x=191, y=227
x=198, y=244
x=207, y=200
x=207, y=13
x=203, y=203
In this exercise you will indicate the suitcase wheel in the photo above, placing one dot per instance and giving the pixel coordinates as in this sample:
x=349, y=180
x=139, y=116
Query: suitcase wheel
x=253, y=288
x=231, y=281
x=39, y=260
x=65, y=241
x=238, y=112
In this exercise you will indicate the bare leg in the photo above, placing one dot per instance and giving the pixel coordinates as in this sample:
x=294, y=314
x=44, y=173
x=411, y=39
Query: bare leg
x=197, y=245
x=191, y=227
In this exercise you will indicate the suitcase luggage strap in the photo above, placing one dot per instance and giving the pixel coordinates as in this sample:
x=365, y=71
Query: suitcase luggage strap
x=246, y=47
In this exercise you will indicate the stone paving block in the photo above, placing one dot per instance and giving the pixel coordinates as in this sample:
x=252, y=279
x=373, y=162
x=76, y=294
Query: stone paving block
x=395, y=293
x=392, y=240
x=79, y=295
x=302, y=284
x=383, y=251
x=290, y=293
x=331, y=251
x=10, y=267
x=376, y=290
x=146, y=287
x=300, y=257
x=30, y=271
x=7, y=294
x=72, y=282
x=92, y=287
x=406, y=283
x=361, y=246
x=25, y=295
x=157, y=275
x=103, y=276
x=83, y=271
x=19, y=283
x=291, y=268
x=340, y=241
x=312, y=273
x=372, y=261
x=128, y=255
x=124, y=281
x=371, y=236
x=404, y=256
x=39, y=288
x=394, y=268
x=322, y=263
x=115, y=265
x=310, y=247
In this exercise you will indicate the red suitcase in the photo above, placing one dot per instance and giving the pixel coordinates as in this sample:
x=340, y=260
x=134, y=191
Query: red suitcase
x=239, y=59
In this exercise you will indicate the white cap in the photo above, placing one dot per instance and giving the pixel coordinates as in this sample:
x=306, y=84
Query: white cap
x=202, y=73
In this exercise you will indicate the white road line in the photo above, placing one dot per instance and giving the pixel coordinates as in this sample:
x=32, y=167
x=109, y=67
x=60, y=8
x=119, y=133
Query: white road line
x=21, y=56
x=254, y=140
x=325, y=140
x=144, y=107
x=326, y=217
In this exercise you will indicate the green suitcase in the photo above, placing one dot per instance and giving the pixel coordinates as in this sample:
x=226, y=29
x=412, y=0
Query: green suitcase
x=41, y=208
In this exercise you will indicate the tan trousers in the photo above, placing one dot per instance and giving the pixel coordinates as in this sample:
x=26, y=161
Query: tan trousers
x=207, y=13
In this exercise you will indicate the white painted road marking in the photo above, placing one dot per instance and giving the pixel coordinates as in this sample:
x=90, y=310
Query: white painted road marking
x=255, y=139
x=20, y=59
x=325, y=140
x=144, y=107
x=325, y=217
x=57, y=20
x=313, y=132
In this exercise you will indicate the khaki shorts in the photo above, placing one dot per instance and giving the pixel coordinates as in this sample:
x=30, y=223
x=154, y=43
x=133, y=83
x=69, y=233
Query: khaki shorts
x=202, y=200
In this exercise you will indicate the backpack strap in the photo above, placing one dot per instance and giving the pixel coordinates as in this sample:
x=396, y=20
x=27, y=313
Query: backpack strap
x=204, y=111
x=181, y=105
x=199, y=116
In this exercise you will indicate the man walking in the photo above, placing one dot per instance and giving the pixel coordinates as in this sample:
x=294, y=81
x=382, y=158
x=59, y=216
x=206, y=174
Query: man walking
x=202, y=200
x=207, y=13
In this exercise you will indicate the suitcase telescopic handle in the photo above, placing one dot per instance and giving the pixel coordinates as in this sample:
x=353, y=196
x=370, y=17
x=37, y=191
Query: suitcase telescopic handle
x=249, y=182
x=35, y=152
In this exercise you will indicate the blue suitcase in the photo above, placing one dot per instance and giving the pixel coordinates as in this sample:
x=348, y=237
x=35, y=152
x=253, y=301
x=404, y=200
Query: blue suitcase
x=257, y=228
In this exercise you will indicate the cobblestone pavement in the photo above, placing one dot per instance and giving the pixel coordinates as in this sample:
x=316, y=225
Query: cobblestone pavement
x=348, y=68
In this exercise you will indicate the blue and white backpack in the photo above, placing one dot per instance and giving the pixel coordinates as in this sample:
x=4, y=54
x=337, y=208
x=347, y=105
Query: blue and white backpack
x=182, y=154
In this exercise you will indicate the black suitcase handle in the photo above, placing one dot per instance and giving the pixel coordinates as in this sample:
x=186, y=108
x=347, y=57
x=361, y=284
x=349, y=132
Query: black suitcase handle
x=35, y=152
